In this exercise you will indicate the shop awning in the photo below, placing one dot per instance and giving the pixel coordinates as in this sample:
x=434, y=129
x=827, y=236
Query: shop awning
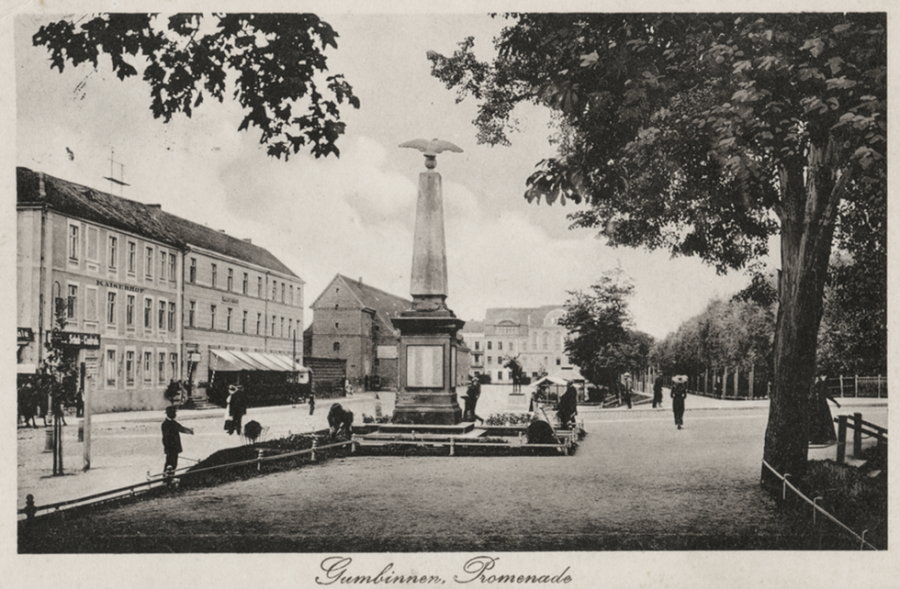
x=235, y=361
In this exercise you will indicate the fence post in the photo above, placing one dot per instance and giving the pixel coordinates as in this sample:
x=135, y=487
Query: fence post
x=30, y=508
x=312, y=455
x=452, y=445
x=842, y=439
x=857, y=434
x=841, y=383
x=855, y=385
x=259, y=456
x=784, y=486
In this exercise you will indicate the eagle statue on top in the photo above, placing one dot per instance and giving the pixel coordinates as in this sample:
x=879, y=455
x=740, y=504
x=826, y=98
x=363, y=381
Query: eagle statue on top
x=430, y=148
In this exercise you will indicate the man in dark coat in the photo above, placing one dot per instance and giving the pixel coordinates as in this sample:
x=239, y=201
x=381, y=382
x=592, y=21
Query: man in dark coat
x=237, y=406
x=568, y=406
x=471, y=400
x=171, y=438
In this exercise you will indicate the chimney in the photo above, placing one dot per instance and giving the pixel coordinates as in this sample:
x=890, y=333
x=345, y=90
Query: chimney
x=247, y=239
x=360, y=280
x=154, y=207
x=221, y=231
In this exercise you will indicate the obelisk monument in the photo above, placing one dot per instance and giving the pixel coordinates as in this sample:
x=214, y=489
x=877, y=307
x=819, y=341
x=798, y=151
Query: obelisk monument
x=428, y=344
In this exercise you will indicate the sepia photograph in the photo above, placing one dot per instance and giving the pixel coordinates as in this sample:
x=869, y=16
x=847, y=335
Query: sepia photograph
x=422, y=294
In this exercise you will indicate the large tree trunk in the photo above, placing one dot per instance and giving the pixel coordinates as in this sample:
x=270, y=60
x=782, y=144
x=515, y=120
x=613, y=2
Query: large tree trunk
x=809, y=209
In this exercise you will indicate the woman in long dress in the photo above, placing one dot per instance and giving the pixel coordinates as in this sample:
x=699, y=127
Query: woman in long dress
x=821, y=424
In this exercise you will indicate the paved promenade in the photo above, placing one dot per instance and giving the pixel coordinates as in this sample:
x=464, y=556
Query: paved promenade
x=126, y=446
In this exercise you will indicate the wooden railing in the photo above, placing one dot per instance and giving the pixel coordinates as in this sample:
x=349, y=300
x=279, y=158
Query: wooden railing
x=860, y=428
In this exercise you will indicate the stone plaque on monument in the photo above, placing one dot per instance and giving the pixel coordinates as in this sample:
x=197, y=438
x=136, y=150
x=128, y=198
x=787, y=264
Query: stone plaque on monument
x=425, y=366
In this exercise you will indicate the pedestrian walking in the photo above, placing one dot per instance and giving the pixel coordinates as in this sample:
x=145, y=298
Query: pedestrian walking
x=679, y=394
x=312, y=403
x=171, y=439
x=626, y=389
x=657, y=391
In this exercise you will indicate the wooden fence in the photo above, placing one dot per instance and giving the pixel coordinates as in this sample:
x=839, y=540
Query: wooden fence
x=753, y=383
x=859, y=428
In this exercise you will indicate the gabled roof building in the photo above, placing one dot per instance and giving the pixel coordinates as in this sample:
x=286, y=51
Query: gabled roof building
x=352, y=321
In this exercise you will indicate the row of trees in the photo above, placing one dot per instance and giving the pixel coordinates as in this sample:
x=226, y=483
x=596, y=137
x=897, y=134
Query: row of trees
x=735, y=333
x=739, y=333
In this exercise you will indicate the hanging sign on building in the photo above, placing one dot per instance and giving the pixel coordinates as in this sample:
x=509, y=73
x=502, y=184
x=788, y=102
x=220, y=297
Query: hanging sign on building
x=24, y=335
x=193, y=356
x=74, y=338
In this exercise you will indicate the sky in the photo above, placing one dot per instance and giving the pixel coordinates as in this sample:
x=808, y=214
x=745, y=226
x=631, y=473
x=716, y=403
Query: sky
x=352, y=215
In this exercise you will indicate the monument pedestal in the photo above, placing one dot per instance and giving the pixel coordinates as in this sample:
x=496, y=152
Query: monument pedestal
x=427, y=362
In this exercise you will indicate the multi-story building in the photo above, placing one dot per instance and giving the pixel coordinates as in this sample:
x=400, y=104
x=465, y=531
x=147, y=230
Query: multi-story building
x=241, y=305
x=119, y=268
x=532, y=335
x=352, y=321
x=473, y=335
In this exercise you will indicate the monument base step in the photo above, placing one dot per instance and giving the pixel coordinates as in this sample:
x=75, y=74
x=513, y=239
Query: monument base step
x=425, y=428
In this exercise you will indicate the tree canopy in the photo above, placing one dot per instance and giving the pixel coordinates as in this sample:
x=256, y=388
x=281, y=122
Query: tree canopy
x=275, y=63
x=601, y=340
x=705, y=134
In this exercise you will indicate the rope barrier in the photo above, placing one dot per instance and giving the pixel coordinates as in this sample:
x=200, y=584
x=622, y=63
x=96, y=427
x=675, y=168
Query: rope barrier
x=816, y=506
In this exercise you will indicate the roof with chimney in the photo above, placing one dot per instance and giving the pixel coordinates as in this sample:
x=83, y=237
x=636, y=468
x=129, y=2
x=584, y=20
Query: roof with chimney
x=149, y=221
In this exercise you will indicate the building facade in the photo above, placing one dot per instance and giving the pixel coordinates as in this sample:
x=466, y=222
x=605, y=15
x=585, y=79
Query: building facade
x=352, y=321
x=532, y=335
x=118, y=267
x=473, y=335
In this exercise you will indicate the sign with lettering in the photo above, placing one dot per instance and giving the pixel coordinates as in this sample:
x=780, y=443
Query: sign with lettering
x=128, y=287
x=24, y=335
x=193, y=356
x=232, y=300
x=425, y=366
x=74, y=338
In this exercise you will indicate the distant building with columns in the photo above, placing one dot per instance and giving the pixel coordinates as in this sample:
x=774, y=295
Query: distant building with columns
x=531, y=334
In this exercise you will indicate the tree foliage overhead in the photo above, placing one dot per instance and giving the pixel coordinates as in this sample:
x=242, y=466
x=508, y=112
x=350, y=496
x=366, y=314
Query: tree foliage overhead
x=275, y=65
x=601, y=342
x=682, y=131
